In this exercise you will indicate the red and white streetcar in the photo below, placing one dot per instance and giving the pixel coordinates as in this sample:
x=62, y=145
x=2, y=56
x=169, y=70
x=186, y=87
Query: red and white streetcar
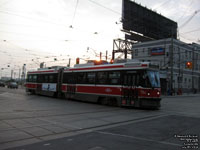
x=123, y=84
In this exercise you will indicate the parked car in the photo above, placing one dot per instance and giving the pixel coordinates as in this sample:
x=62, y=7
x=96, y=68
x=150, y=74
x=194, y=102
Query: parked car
x=12, y=85
x=2, y=84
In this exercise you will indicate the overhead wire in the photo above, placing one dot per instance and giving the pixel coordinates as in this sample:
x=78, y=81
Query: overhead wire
x=105, y=7
x=187, y=10
x=74, y=13
x=191, y=17
x=198, y=29
x=162, y=4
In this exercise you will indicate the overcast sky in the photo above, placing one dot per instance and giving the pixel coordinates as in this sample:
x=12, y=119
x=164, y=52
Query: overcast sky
x=52, y=31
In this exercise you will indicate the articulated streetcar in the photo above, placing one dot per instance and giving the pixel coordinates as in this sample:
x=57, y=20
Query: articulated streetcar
x=123, y=84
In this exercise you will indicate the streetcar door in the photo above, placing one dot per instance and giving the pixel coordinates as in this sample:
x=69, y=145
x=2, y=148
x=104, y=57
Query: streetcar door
x=59, y=82
x=128, y=89
x=71, y=85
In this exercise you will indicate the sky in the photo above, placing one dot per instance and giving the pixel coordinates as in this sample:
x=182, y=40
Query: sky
x=54, y=31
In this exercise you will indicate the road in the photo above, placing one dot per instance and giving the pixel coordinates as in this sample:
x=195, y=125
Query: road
x=36, y=122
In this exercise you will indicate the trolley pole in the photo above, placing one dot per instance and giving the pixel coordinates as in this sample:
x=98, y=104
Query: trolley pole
x=106, y=55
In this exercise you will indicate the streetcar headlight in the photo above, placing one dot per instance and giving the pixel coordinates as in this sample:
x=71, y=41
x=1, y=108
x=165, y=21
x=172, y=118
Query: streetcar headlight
x=148, y=93
x=158, y=93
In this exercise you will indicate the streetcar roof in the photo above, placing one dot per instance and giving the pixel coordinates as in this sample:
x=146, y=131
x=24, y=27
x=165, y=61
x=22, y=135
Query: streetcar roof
x=117, y=66
x=53, y=69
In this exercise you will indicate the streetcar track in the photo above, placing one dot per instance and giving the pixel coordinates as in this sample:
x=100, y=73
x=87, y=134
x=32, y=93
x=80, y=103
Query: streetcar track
x=90, y=129
x=64, y=114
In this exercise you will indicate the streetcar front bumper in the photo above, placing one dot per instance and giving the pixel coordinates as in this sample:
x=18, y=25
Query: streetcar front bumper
x=150, y=103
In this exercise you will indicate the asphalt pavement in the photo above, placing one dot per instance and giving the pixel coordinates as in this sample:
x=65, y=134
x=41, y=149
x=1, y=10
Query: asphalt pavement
x=29, y=122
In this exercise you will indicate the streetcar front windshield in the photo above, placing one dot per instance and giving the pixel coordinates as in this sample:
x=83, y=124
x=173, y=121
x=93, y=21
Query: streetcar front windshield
x=154, y=78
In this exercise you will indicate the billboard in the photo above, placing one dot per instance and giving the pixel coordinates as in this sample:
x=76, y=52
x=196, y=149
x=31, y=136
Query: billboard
x=147, y=22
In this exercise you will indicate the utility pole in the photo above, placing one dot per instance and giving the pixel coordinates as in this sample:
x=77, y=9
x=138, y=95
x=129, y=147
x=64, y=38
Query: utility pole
x=171, y=64
x=19, y=74
x=11, y=74
x=179, y=68
x=69, y=62
x=106, y=55
x=100, y=55
x=193, y=68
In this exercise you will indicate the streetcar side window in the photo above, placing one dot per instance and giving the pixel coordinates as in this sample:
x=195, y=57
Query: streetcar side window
x=46, y=78
x=114, y=77
x=101, y=77
x=81, y=78
x=34, y=79
x=91, y=77
x=40, y=78
x=29, y=79
x=69, y=78
x=51, y=79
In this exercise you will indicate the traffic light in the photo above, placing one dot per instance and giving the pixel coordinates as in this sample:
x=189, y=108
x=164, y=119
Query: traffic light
x=189, y=64
x=111, y=61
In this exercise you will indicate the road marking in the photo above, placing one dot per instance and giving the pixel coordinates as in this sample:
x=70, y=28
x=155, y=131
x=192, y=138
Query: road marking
x=137, y=138
x=3, y=93
x=47, y=144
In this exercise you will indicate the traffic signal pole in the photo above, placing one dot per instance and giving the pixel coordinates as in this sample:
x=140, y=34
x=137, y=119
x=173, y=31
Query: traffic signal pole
x=193, y=69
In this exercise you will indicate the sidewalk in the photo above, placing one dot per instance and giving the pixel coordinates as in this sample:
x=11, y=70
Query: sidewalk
x=183, y=95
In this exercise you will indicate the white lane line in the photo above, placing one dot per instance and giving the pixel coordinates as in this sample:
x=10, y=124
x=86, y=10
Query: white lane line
x=137, y=138
x=3, y=93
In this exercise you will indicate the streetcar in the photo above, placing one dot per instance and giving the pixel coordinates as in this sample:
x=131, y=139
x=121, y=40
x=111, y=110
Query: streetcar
x=44, y=81
x=135, y=84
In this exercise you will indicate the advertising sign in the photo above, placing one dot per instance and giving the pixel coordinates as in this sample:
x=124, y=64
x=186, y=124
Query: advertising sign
x=157, y=51
x=49, y=87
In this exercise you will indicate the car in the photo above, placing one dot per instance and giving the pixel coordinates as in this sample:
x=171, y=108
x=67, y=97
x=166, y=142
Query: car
x=12, y=85
x=2, y=84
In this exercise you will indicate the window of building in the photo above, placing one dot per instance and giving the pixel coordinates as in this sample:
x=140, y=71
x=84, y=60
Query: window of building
x=136, y=52
x=186, y=53
x=190, y=54
x=149, y=51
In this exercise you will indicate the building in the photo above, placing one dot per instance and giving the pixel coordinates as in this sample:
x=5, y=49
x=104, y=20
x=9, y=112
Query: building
x=179, y=63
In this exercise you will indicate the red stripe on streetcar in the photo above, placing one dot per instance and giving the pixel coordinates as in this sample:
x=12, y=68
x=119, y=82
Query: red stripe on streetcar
x=144, y=65
x=31, y=85
x=64, y=88
x=99, y=90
